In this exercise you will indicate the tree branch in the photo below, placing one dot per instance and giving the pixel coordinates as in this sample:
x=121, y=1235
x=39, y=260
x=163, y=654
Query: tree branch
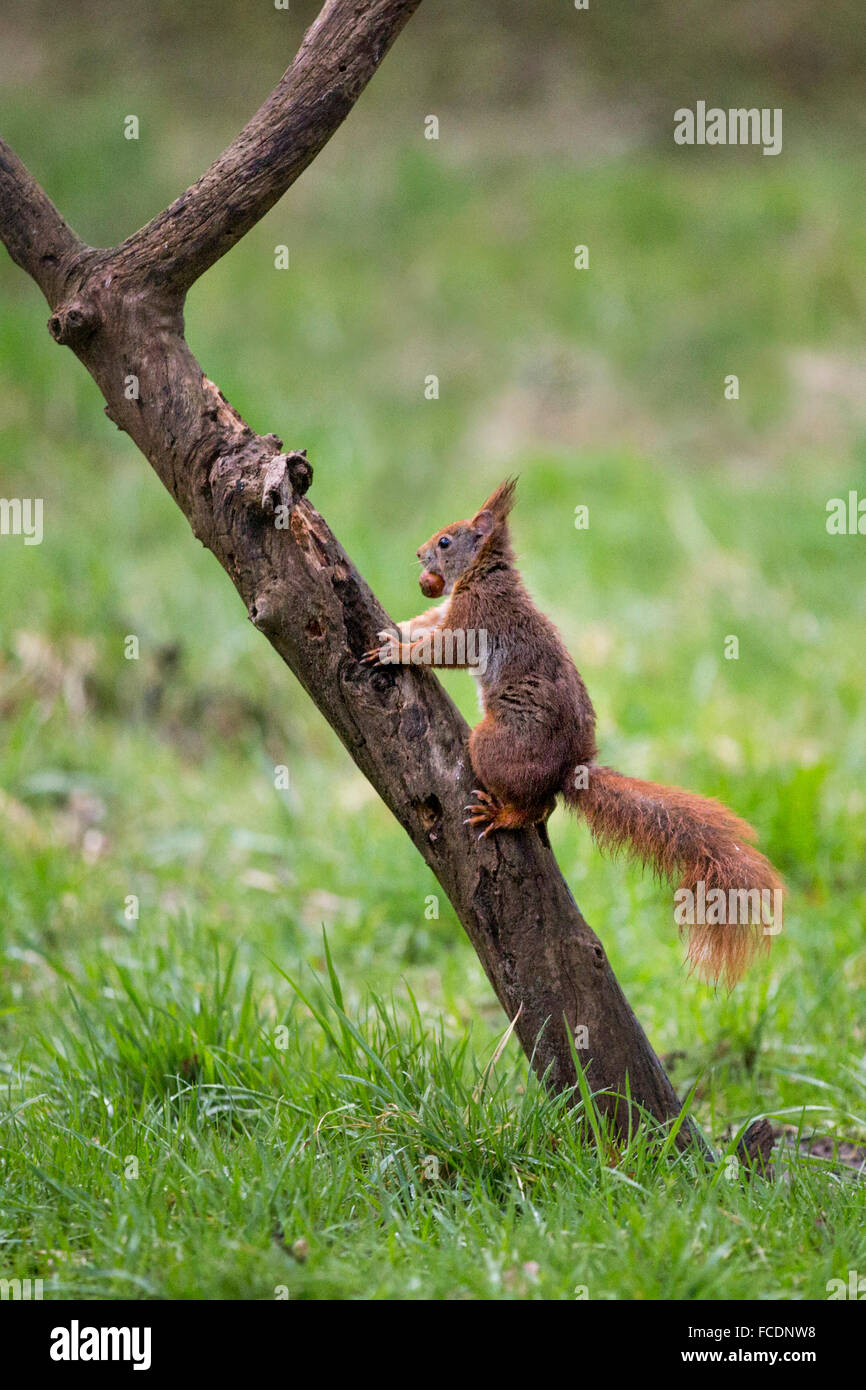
x=35, y=235
x=336, y=60
x=121, y=312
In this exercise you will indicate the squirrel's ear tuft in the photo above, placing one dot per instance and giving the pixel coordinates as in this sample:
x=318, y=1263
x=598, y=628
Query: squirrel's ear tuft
x=500, y=502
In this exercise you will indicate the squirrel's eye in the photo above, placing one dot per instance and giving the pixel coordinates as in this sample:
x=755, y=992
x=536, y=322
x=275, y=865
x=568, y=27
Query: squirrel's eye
x=444, y=542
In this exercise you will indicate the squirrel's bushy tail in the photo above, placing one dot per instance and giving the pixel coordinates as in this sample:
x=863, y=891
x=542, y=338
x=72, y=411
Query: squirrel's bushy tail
x=701, y=844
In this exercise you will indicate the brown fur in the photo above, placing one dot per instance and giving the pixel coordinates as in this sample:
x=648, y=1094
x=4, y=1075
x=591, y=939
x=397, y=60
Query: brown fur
x=684, y=838
x=538, y=731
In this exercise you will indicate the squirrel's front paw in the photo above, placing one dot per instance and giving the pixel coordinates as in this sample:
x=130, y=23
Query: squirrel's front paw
x=383, y=655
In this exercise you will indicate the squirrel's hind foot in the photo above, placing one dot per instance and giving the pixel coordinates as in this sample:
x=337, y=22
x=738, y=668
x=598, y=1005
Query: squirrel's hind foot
x=493, y=814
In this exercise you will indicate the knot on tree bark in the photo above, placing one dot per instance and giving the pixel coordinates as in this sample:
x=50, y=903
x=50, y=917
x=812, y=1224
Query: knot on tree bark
x=264, y=613
x=73, y=323
x=287, y=478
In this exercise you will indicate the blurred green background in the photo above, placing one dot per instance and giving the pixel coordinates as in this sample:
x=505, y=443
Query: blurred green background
x=602, y=387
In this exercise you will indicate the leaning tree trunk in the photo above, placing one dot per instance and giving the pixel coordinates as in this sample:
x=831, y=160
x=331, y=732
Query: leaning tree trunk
x=121, y=312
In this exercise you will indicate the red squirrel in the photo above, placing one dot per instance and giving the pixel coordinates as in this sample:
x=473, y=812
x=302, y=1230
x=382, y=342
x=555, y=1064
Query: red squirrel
x=536, y=741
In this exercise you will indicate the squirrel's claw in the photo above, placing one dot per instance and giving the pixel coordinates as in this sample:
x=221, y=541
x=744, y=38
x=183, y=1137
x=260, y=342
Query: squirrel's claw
x=483, y=812
x=485, y=798
x=374, y=656
x=480, y=820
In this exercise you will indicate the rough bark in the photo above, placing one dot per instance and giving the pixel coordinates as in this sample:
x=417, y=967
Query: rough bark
x=121, y=312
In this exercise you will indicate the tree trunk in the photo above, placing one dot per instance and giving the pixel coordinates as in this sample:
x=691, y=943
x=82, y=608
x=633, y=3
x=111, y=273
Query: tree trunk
x=121, y=312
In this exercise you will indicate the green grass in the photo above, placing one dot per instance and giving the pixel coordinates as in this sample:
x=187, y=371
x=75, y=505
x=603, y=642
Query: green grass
x=215, y=1152
x=157, y=1037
